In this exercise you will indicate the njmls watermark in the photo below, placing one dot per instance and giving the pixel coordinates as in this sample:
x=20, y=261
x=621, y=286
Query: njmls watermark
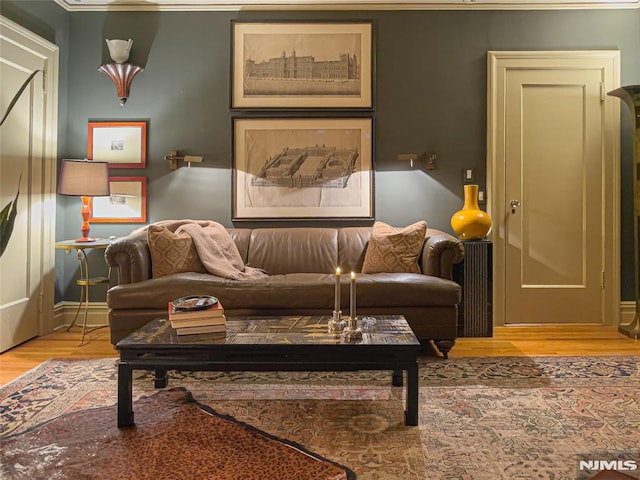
x=620, y=465
x=609, y=465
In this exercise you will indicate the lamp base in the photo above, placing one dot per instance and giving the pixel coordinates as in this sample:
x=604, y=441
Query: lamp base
x=86, y=215
x=84, y=240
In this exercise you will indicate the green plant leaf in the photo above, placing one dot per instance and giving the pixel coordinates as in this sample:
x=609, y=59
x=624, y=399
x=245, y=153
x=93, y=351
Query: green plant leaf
x=15, y=98
x=7, y=220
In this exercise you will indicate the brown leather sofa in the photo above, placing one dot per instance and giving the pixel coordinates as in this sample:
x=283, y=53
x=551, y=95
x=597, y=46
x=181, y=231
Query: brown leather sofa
x=301, y=263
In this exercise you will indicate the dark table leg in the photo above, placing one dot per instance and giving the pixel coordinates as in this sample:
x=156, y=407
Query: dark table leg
x=125, y=394
x=161, y=378
x=396, y=380
x=411, y=414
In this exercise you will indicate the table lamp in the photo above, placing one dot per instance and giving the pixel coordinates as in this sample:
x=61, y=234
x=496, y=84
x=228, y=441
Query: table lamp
x=85, y=179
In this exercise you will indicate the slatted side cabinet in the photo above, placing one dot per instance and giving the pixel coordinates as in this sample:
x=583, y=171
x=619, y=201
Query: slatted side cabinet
x=475, y=275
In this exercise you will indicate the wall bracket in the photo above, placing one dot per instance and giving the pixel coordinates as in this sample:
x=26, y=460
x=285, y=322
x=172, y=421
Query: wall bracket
x=174, y=158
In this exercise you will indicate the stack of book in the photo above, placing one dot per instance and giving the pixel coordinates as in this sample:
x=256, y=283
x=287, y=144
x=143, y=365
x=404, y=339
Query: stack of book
x=209, y=320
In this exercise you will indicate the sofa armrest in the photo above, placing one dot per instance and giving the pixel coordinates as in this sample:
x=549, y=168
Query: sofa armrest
x=130, y=255
x=440, y=252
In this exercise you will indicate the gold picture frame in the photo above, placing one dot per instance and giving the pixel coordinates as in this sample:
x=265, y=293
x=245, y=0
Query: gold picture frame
x=303, y=168
x=288, y=65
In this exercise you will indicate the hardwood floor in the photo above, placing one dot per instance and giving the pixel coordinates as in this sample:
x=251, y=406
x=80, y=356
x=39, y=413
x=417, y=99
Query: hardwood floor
x=558, y=340
x=60, y=344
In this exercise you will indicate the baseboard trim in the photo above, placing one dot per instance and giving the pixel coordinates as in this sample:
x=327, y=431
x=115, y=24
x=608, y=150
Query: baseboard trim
x=627, y=312
x=64, y=312
x=98, y=313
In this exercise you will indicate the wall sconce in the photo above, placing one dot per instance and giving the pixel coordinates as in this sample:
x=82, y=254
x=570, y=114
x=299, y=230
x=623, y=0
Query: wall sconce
x=174, y=159
x=120, y=73
x=429, y=157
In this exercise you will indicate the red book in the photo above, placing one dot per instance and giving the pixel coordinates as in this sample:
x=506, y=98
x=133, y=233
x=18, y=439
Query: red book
x=203, y=329
x=199, y=322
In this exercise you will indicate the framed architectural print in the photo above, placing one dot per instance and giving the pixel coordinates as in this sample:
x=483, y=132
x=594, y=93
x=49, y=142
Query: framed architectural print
x=303, y=168
x=126, y=204
x=302, y=65
x=122, y=144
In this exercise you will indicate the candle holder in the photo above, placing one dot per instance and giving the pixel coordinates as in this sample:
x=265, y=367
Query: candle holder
x=352, y=332
x=336, y=324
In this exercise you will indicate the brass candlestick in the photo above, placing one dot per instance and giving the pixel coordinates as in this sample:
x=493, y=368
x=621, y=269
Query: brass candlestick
x=352, y=332
x=336, y=324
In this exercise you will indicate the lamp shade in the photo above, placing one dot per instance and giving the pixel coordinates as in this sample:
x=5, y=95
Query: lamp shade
x=84, y=178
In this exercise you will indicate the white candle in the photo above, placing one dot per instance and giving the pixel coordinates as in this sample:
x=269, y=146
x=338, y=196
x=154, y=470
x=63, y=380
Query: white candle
x=337, y=295
x=352, y=298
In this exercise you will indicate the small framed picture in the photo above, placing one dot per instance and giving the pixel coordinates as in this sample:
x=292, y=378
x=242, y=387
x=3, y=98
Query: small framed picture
x=316, y=65
x=303, y=168
x=126, y=204
x=122, y=144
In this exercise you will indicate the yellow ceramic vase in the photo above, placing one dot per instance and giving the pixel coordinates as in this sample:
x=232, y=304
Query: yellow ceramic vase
x=471, y=223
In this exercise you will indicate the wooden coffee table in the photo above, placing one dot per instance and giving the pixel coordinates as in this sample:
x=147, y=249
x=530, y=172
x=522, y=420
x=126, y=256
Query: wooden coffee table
x=298, y=343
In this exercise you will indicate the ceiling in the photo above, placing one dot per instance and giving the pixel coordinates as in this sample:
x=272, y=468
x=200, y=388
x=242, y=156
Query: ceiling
x=185, y=5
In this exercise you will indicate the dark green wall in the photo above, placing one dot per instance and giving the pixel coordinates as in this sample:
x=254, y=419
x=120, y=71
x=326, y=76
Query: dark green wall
x=430, y=96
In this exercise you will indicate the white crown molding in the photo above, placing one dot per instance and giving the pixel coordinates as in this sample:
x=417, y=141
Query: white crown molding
x=237, y=5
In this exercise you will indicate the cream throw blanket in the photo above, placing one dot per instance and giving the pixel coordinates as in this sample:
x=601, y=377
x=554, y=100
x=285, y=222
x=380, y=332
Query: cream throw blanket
x=218, y=252
x=216, y=249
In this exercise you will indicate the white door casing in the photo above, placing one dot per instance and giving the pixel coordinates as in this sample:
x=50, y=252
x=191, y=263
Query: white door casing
x=28, y=145
x=552, y=147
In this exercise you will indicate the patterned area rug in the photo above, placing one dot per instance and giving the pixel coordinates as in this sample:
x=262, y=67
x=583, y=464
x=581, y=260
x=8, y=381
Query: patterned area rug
x=174, y=438
x=480, y=418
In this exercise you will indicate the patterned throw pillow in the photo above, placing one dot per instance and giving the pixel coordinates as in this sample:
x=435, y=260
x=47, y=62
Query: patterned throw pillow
x=392, y=250
x=171, y=253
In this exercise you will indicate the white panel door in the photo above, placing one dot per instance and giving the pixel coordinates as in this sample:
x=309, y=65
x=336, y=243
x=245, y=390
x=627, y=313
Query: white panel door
x=556, y=170
x=27, y=155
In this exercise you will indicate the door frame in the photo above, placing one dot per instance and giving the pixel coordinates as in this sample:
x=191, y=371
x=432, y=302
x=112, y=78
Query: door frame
x=47, y=211
x=609, y=62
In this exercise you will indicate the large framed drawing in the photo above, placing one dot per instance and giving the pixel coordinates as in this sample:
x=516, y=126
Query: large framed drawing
x=302, y=65
x=126, y=204
x=303, y=168
x=122, y=144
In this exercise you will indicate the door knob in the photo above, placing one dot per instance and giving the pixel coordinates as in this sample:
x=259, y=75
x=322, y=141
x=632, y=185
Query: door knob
x=514, y=204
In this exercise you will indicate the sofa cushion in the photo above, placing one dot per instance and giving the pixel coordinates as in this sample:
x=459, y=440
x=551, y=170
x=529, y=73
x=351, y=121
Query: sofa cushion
x=394, y=250
x=294, y=291
x=294, y=250
x=172, y=253
x=352, y=245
